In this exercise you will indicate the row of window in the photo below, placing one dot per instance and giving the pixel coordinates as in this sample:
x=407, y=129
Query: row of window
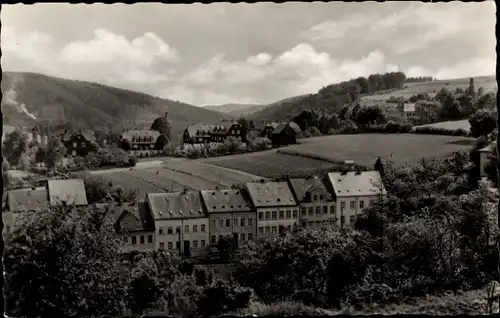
x=334, y=221
x=82, y=144
x=273, y=215
x=319, y=209
x=151, y=146
x=243, y=222
x=272, y=229
x=142, y=239
x=243, y=237
x=170, y=230
x=352, y=204
x=170, y=245
x=142, y=139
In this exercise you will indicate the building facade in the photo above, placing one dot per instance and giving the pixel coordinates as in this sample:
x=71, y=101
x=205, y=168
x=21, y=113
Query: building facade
x=285, y=134
x=211, y=135
x=353, y=192
x=181, y=222
x=143, y=143
x=317, y=205
x=230, y=212
x=79, y=144
x=275, y=207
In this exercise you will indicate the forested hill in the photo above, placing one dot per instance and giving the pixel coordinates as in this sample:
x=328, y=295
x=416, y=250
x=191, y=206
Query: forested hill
x=90, y=105
x=331, y=98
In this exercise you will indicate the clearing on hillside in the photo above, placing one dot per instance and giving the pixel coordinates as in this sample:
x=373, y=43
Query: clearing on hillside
x=487, y=82
x=451, y=125
x=314, y=155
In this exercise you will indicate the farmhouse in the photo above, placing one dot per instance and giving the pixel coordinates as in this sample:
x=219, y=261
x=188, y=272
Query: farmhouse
x=229, y=213
x=79, y=143
x=179, y=217
x=484, y=155
x=143, y=143
x=285, y=134
x=408, y=110
x=212, y=135
x=265, y=129
x=354, y=191
x=275, y=206
x=317, y=206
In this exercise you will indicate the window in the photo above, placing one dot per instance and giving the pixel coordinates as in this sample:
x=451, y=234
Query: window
x=202, y=228
x=315, y=197
x=289, y=228
x=267, y=216
x=351, y=218
x=295, y=214
x=177, y=229
x=318, y=223
x=250, y=222
x=213, y=223
x=342, y=219
x=151, y=146
x=325, y=209
x=142, y=239
x=242, y=237
x=150, y=238
x=170, y=230
x=125, y=225
x=282, y=215
x=177, y=245
x=318, y=210
x=73, y=153
x=267, y=229
x=250, y=236
x=342, y=205
x=274, y=230
x=242, y=222
x=274, y=215
x=261, y=230
x=220, y=237
x=195, y=244
x=125, y=239
x=162, y=245
x=332, y=209
x=221, y=223
x=202, y=243
x=288, y=215
x=82, y=145
x=195, y=228
x=228, y=222
x=186, y=228
x=161, y=231
x=361, y=204
x=134, y=240
x=261, y=215
x=303, y=211
x=213, y=239
x=310, y=211
x=310, y=224
x=352, y=204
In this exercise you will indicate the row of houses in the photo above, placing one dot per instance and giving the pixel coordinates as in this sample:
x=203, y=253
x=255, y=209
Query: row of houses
x=189, y=222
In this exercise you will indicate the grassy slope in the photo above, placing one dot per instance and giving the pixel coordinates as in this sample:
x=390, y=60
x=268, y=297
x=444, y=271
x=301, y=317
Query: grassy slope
x=455, y=124
x=94, y=105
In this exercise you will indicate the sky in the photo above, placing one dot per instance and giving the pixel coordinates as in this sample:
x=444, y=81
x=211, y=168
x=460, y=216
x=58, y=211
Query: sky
x=246, y=53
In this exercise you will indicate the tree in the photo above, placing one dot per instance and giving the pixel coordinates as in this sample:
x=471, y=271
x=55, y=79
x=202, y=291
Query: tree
x=471, y=90
x=144, y=287
x=163, y=126
x=427, y=111
x=14, y=146
x=54, y=154
x=482, y=123
x=63, y=262
x=370, y=115
x=39, y=155
x=487, y=101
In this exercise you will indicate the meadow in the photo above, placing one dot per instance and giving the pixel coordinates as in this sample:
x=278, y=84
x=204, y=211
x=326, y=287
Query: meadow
x=451, y=125
x=314, y=155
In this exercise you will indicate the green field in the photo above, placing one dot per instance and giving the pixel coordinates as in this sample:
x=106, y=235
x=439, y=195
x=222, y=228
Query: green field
x=487, y=82
x=316, y=154
x=451, y=125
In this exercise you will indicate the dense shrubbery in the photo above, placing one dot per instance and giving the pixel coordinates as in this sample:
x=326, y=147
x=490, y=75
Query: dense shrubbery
x=439, y=131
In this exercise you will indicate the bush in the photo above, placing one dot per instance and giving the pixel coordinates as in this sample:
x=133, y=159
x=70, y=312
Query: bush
x=427, y=130
x=397, y=128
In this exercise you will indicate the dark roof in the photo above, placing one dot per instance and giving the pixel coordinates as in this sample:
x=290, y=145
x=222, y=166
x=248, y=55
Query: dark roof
x=88, y=135
x=352, y=184
x=282, y=126
x=178, y=205
x=230, y=200
x=140, y=133
x=270, y=194
x=27, y=199
x=262, y=125
x=139, y=210
x=208, y=129
x=301, y=186
x=70, y=190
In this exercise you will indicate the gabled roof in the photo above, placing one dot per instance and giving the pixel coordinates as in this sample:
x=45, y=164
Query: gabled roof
x=203, y=128
x=139, y=210
x=88, y=135
x=27, y=199
x=262, y=125
x=351, y=184
x=140, y=133
x=230, y=200
x=71, y=190
x=270, y=194
x=409, y=107
x=178, y=205
x=282, y=126
x=301, y=186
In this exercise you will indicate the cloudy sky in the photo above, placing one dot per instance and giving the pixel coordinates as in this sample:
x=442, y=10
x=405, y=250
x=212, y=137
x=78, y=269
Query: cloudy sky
x=247, y=53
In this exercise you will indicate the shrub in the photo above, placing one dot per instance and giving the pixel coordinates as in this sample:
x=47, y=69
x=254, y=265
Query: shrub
x=427, y=130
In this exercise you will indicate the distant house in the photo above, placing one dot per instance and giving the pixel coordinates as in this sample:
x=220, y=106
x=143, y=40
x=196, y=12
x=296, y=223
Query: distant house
x=317, y=205
x=285, y=134
x=275, y=206
x=134, y=224
x=484, y=158
x=143, y=143
x=408, y=110
x=354, y=191
x=229, y=213
x=200, y=134
x=79, y=143
x=181, y=222
x=265, y=129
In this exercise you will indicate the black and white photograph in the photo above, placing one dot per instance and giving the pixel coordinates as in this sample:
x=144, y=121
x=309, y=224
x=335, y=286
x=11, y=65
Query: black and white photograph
x=249, y=159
